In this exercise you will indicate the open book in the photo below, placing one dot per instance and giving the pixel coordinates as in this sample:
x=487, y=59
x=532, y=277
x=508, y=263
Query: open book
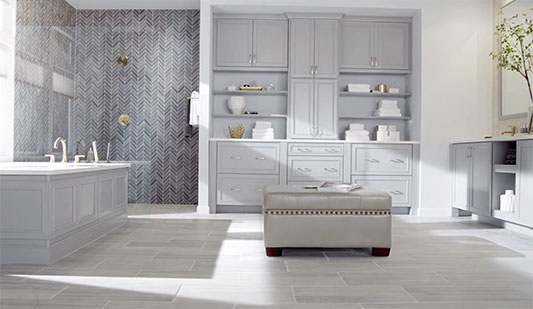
x=334, y=187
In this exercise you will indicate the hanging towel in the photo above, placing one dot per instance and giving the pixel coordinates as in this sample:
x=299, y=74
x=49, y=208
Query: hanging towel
x=194, y=115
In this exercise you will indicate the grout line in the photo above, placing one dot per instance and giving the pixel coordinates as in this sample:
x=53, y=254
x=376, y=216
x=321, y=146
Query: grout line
x=103, y=261
x=383, y=269
x=293, y=294
x=106, y=304
x=326, y=256
x=60, y=291
x=416, y=300
x=339, y=274
x=192, y=265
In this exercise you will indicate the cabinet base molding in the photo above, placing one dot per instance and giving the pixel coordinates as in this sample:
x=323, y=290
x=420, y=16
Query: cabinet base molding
x=503, y=224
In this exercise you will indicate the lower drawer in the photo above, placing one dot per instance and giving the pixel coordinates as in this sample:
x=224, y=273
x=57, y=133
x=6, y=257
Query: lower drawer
x=399, y=187
x=243, y=189
x=315, y=169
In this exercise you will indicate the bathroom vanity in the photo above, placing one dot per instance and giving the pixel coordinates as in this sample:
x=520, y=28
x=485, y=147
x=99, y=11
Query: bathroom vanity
x=481, y=174
x=48, y=211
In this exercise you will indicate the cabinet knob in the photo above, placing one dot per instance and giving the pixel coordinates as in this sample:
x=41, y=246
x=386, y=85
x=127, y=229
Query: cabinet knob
x=250, y=59
x=254, y=59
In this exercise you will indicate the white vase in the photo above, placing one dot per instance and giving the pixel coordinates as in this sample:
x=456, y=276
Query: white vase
x=236, y=105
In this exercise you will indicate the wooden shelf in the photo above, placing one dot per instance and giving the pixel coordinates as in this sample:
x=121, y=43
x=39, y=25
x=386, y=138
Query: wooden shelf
x=376, y=118
x=249, y=116
x=248, y=92
x=374, y=71
x=374, y=94
x=505, y=168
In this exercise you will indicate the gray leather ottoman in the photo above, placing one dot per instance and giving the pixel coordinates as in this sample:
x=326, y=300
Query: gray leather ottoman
x=295, y=217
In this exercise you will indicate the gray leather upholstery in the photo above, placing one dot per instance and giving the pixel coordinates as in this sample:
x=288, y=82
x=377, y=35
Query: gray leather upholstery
x=296, y=217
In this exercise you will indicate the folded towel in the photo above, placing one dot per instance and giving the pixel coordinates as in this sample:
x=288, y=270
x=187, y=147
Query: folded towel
x=388, y=104
x=263, y=123
x=194, y=110
x=357, y=138
x=270, y=130
x=356, y=126
x=357, y=133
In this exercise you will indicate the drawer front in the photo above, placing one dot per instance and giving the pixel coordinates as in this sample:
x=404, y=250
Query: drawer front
x=248, y=158
x=381, y=160
x=315, y=169
x=243, y=189
x=315, y=149
x=399, y=187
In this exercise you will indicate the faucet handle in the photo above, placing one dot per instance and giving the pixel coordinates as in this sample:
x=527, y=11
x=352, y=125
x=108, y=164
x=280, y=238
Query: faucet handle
x=77, y=158
x=52, y=158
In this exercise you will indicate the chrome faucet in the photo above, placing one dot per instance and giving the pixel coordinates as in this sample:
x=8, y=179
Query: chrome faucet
x=64, y=146
x=96, y=160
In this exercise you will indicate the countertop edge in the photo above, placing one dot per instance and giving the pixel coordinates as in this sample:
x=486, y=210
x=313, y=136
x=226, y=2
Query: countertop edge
x=325, y=141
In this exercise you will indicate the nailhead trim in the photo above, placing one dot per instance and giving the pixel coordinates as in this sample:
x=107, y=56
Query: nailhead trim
x=329, y=212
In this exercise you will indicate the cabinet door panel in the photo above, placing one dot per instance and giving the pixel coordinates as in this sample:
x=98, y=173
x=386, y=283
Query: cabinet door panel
x=392, y=46
x=357, y=43
x=326, y=48
x=270, y=43
x=234, y=42
x=302, y=44
x=461, y=170
x=525, y=182
x=301, y=111
x=481, y=178
x=326, y=108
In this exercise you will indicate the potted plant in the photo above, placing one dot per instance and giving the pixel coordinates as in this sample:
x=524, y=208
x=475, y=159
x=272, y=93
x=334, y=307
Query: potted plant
x=516, y=43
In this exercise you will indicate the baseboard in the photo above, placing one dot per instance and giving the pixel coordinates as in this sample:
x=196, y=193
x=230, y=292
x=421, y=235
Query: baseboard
x=503, y=224
x=434, y=212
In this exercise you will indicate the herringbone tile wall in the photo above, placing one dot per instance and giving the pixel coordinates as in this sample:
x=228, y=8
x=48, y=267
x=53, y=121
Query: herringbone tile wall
x=163, y=69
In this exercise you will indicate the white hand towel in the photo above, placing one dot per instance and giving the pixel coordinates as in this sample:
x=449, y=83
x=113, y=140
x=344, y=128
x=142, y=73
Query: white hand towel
x=357, y=138
x=263, y=123
x=388, y=104
x=194, y=115
x=357, y=133
x=270, y=130
x=356, y=126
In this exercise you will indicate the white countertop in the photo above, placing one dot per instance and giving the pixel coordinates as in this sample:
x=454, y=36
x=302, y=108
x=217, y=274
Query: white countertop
x=495, y=139
x=307, y=141
x=51, y=169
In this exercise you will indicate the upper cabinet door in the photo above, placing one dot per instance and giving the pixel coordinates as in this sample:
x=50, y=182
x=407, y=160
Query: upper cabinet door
x=357, y=45
x=392, y=46
x=525, y=182
x=481, y=178
x=301, y=111
x=461, y=173
x=234, y=42
x=326, y=48
x=270, y=43
x=302, y=47
x=326, y=108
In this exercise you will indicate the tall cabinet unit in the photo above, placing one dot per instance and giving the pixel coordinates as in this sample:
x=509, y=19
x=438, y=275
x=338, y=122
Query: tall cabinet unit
x=313, y=73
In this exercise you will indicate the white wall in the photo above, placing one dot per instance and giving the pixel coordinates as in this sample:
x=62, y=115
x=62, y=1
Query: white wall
x=7, y=77
x=456, y=78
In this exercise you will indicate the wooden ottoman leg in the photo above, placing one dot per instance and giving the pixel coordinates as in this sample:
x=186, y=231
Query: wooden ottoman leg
x=274, y=251
x=380, y=251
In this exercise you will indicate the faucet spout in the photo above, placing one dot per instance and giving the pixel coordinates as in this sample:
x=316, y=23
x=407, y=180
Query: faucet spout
x=64, y=148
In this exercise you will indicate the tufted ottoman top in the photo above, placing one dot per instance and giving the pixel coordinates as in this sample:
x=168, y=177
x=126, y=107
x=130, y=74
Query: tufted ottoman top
x=296, y=198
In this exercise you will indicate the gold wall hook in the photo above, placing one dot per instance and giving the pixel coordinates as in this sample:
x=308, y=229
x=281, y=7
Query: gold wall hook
x=123, y=60
x=124, y=120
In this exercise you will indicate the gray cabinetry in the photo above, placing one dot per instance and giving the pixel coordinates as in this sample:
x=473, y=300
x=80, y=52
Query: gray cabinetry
x=375, y=45
x=251, y=43
x=471, y=166
x=525, y=182
x=313, y=108
x=314, y=48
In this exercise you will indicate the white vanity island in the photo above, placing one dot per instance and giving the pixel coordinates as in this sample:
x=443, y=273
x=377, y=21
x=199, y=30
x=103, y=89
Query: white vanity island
x=48, y=211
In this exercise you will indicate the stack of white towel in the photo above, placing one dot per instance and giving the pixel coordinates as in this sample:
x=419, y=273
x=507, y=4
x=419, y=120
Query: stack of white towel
x=388, y=108
x=387, y=134
x=263, y=130
x=356, y=133
x=358, y=88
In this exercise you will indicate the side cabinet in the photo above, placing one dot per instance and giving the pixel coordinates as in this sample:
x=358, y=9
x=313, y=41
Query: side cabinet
x=525, y=182
x=471, y=168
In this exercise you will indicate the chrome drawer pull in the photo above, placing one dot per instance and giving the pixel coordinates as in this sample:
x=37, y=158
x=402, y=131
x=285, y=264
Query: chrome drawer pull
x=259, y=190
x=260, y=158
x=235, y=189
x=396, y=192
x=331, y=170
x=304, y=150
x=332, y=150
x=398, y=161
x=235, y=158
x=373, y=160
x=305, y=170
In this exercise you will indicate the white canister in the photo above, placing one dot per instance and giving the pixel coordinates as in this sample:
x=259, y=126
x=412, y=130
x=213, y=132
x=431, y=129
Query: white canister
x=236, y=105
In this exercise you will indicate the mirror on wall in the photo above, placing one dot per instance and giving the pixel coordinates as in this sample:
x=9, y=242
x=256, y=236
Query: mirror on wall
x=514, y=95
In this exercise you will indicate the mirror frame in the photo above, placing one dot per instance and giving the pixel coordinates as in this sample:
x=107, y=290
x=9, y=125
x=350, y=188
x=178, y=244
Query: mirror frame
x=500, y=81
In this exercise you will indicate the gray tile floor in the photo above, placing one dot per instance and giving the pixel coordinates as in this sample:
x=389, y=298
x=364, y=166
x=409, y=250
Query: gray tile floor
x=180, y=260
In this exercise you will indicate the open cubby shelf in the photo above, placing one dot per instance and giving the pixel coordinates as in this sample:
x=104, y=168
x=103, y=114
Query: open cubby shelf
x=374, y=94
x=248, y=92
x=505, y=168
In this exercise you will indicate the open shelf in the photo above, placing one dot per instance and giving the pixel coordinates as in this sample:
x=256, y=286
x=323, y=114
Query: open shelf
x=376, y=118
x=374, y=94
x=249, y=116
x=250, y=69
x=248, y=92
x=374, y=71
x=505, y=168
